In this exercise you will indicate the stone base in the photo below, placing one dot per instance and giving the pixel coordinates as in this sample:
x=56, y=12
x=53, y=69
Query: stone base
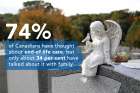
x=128, y=84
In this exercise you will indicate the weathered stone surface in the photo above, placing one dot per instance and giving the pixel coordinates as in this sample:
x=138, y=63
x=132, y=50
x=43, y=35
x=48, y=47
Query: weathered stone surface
x=109, y=79
x=128, y=84
x=73, y=84
x=3, y=76
x=22, y=81
x=44, y=82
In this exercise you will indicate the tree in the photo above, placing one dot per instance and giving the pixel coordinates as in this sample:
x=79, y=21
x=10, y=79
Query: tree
x=81, y=23
x=122, y=17
x=38, y=3
x=11, y=18
x=2, y=25
x=59, y=25
x=6, y=18
x=133, y=36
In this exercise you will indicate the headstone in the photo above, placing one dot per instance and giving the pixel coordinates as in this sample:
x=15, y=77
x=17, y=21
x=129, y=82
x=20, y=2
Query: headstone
x=20, y=81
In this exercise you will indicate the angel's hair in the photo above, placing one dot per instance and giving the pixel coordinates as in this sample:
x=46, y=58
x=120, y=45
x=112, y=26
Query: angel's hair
x=97, y=26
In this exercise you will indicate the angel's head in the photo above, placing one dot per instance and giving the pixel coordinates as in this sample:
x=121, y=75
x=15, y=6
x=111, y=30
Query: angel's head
x=97, y=28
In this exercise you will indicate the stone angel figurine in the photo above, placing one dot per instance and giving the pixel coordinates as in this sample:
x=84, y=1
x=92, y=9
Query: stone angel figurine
x=104, y=45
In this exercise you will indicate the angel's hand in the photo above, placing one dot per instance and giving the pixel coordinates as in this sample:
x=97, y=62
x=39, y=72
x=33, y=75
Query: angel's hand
x=89, y=46
x=87, y=38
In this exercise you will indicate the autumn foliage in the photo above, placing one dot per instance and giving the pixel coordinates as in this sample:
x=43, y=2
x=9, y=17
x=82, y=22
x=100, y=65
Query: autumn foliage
x=59, y=25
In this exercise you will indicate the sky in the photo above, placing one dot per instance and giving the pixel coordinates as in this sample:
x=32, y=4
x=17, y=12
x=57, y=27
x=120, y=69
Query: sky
x=72, y=7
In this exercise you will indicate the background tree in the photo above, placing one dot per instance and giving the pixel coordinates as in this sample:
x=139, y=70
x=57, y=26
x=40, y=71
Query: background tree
x=81, y=23
x=122, y=17
x=59, y=25
x=6, y=18
x=2, y=26
x=37, y=3
x=133, y=36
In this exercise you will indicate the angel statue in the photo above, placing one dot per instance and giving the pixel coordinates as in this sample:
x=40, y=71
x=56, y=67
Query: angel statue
x=104, y=45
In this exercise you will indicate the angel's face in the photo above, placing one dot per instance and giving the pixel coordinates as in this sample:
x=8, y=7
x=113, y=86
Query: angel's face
x=97, y=28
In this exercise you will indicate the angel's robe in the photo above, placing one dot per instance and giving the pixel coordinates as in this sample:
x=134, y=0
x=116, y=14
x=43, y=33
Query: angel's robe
x=99, y=55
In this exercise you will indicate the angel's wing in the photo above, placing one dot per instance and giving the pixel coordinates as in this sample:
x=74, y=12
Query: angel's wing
x=114, y=33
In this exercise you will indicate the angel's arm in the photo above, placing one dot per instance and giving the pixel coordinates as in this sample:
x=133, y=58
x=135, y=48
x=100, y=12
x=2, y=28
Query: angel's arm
x=89, y=46
x=106, y=50
x=87, y=38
